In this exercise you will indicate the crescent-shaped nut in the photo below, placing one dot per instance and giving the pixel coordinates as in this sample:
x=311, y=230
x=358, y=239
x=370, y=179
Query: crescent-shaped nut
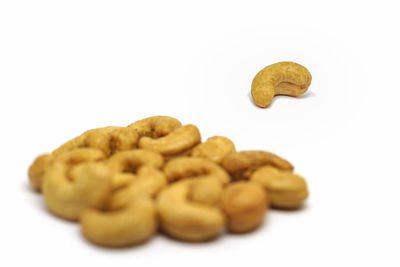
x=240, y=165
x=156, y=126
x=186, y=167
x=286, y=190
x=108, y=139
x=131, y=225
x=282, y=78
x=244, y=204
x=38, y=168
x=124, y=164
x=185, y=219
x=216, y=148
x=148, y=182
x=89, y=186
x=175, y=142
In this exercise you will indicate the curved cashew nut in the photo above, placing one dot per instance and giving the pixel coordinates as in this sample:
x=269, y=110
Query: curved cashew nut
x=175, y=142
x=156, y=126
x=38, y=168
x=244, y=204
x=216, y=148
x=283, y=78
x=186, y=167
x=285, y=189
x=108, y=139
x=240, y=165
x=124, y=164
x=90, y=187
x=131, y=217
x=187, y=215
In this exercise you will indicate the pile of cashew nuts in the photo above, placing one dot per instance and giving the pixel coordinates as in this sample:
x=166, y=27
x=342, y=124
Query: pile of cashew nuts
x=124, y=184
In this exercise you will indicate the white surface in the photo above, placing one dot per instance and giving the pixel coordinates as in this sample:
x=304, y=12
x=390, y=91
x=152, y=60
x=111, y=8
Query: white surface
x=67, y=66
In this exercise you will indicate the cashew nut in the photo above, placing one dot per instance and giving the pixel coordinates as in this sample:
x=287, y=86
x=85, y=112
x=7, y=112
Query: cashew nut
x=131, y=217
x=79, y=155
x=282, y=78
x=69, y=190
x=156, y=126
x=240, y=165
x=245, y=204
x=186, y=218
x=186, y=167
x=216, y=148
x=175, y=142
x=285, y=189
x=124, y=164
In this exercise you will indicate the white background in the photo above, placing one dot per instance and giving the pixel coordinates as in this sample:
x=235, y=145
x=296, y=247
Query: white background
x=68, y=66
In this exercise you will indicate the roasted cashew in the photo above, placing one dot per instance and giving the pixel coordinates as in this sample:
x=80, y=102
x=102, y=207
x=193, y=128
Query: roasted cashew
x=285, y=189
x=156, y=126
x=131, y=217
x=73, y=157
x=186, y=167
x=175, y=142
x=70, y=190
x=186, y=214
x=124, y=164
x=244, y=204
x=108, y=139
x=282, y=78
x=240, y=165
x=216, y=148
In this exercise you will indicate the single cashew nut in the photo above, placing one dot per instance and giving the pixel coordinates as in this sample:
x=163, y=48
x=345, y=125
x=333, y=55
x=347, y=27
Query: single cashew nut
x=186, y=167
x=240, y=165
x=186, y=219
x=156, y=126
x=282, y=78
x=216, y=148
x=131, y=216
x=73, y=157
x=89, y=186
x=244, y=204
x=131, y=225
x=285, y=189
x=124, y=164
x=37, y=170
x=175, y=142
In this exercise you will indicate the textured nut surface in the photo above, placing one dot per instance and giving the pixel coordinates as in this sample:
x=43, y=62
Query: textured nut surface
x=240, y=165
x=186, y=167
x=156, y=126
x=285, y=189
x=175, y=142
x=37, y=170
x=186, y=219
x=244, y=204
x=89, y=186
x=216, y=148
x=282, y=78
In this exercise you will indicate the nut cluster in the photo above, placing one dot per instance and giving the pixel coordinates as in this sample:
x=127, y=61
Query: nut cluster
x=122, y=184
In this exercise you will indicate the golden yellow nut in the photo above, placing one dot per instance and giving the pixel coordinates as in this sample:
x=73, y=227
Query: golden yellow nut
x=156, y=126
x=244, y=204
x=285, y=189
x=125, y=164
x=186, y=219
x=187, y=167
x=282, y=78
x=37, y=170
x=216, y=148
x=133, y=224
x=68, y=191
x=240, y=165
x=177, y=141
